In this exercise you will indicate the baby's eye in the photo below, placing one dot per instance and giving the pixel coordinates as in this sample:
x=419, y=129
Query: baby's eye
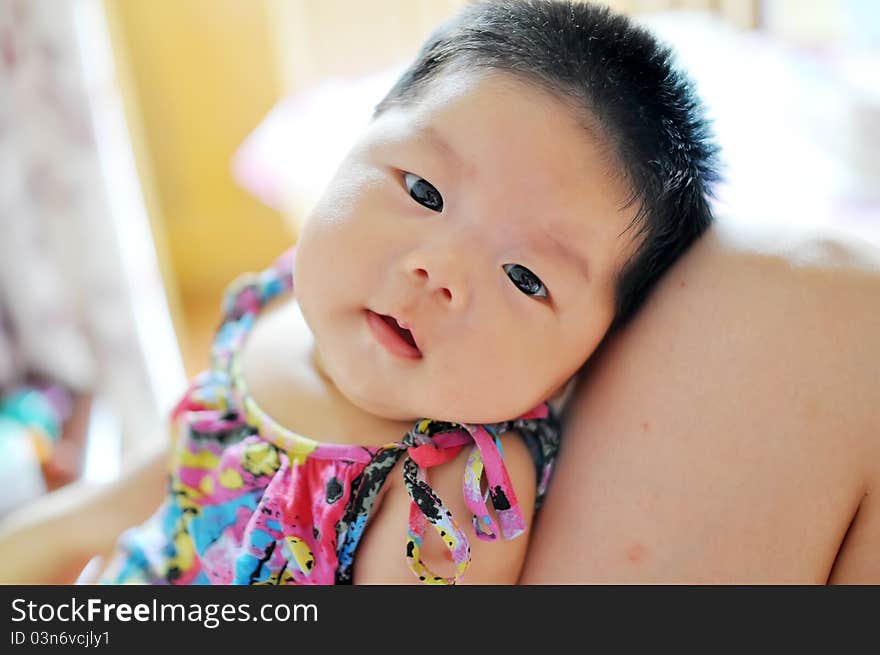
x=525, y=280
x=423, y=192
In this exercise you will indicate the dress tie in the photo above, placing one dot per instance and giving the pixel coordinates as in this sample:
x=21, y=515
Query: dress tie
x=425, y=451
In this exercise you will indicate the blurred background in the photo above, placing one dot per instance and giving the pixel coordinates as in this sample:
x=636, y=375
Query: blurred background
x=152, y=151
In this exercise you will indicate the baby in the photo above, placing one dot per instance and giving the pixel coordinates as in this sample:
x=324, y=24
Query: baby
x=516, y=195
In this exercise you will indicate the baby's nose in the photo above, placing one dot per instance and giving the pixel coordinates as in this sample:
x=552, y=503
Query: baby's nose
x=426, y=277
x=442, y=277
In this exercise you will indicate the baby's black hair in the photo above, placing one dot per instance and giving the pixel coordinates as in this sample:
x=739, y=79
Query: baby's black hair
x=621, y=77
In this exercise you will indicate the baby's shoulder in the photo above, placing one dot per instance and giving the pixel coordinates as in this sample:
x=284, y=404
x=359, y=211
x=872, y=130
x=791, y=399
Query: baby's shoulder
x=277, y=350
x=275, y=365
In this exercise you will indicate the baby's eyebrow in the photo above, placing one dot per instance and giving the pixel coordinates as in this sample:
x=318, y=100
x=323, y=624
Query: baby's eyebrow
x=430, y=134
x=563, y=250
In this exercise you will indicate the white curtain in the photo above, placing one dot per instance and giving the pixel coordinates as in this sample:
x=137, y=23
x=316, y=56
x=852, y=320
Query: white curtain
x=80, y=290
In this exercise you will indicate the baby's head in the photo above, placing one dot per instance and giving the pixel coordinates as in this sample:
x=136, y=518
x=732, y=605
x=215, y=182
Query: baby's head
x=518, y=192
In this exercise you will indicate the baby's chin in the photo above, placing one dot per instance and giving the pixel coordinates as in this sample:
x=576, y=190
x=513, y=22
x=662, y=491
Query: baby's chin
x=475, y=409
x=452, y=403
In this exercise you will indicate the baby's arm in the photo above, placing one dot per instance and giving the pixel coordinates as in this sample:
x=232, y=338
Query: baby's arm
x=51, y=539
x=381, y=556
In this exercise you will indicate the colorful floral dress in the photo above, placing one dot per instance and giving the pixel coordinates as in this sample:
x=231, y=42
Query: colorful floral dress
x=251, y=502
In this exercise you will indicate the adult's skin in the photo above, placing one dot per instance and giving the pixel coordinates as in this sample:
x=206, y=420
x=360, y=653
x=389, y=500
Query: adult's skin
x=731, y=433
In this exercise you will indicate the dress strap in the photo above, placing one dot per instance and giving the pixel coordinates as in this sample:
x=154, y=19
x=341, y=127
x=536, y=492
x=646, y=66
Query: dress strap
x=250, y=291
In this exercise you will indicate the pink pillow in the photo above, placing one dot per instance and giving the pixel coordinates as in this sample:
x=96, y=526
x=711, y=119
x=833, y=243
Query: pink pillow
x=291, y=155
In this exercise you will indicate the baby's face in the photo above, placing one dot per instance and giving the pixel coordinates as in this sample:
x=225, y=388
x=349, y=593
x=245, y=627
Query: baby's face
x=485, y=221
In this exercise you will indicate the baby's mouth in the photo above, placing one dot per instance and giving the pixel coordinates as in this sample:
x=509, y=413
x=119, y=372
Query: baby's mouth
x=394, y=334
x=400, y=328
